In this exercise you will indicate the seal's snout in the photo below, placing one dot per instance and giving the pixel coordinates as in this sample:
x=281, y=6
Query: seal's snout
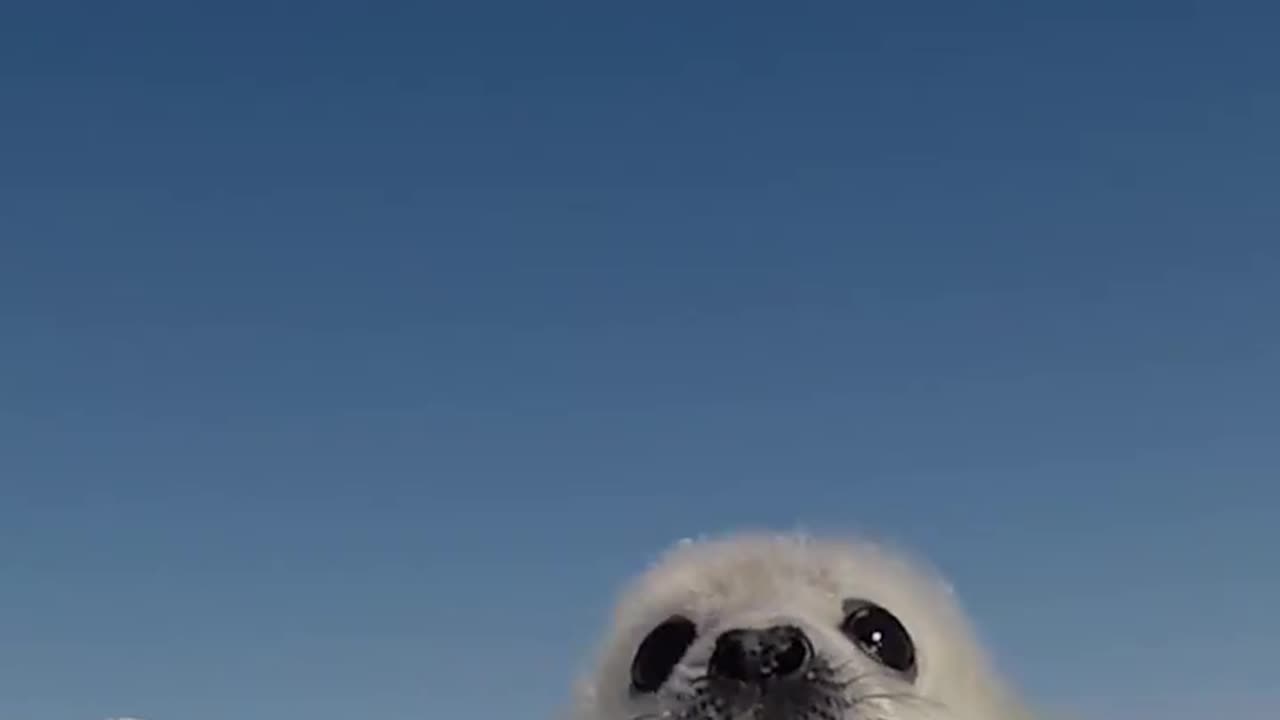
x=756, y=657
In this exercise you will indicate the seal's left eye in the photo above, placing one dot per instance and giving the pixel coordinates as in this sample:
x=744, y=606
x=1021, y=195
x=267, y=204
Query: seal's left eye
x=659, y=652
x=880, y=635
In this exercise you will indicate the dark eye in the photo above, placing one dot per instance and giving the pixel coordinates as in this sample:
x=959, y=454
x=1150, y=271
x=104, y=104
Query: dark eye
x=659, y=652
x=879, y=634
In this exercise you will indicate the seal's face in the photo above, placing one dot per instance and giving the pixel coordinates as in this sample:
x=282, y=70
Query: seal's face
x=786, y=628
x=780, y=667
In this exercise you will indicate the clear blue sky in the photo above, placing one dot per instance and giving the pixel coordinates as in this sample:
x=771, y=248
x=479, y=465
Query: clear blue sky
x=351, y=357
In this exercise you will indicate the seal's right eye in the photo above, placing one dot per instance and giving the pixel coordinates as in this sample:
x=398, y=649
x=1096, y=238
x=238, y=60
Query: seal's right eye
x=659, y=652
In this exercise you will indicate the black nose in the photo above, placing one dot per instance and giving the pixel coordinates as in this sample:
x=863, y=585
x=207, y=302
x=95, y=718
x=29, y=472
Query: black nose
x=757, y=656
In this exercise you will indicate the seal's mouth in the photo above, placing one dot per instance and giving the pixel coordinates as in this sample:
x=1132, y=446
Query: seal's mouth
x=821, y=693
x=814, y=695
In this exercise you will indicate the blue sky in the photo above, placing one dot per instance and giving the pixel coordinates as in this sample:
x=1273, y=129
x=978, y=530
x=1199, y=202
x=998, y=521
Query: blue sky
x=353, y=356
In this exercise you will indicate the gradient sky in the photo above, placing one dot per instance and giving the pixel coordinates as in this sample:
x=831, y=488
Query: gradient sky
x=352, y=356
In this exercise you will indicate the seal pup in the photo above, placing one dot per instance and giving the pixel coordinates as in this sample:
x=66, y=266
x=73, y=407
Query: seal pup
x=764, y=626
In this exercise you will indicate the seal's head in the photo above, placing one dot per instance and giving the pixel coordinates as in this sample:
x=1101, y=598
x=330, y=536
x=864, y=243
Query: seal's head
x=785, y=627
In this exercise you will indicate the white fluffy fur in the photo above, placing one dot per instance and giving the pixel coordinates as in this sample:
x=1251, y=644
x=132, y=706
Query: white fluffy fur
x=758, y=579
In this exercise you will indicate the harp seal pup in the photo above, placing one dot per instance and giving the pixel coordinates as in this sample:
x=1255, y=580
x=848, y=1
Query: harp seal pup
x=771, y=626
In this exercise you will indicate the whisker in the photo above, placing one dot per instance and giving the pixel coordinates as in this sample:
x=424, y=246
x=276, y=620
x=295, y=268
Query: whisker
x=899, y=697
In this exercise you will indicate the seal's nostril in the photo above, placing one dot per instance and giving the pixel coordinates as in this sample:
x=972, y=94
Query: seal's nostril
x=730, y=658
x=757, y=656
x=793, y=651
